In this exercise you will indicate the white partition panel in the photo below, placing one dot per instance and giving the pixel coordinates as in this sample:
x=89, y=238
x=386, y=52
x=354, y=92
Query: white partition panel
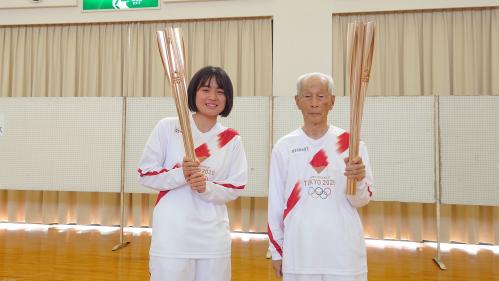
x=250, y=117
x=61, y=144
x=469, y=127
x=142, y=114
x=398, y=132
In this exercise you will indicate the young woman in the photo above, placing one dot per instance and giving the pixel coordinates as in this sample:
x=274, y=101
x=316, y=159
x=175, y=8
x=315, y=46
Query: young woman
x=190, y=237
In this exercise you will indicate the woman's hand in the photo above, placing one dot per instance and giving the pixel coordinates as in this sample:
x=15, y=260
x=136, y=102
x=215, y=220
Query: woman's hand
x=197, y=181
x=189, y=167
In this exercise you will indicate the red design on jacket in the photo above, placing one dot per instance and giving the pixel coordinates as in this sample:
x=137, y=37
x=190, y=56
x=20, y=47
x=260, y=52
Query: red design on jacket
x=343, y=142
x=226, y=136
x=202, y=152
x=294, y=197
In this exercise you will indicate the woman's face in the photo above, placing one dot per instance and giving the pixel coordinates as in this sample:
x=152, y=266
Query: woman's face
x=210, y=99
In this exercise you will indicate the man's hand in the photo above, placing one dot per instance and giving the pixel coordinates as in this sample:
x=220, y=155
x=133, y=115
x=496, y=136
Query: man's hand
x=197, y=181
x=277, y=266
x=355, y=169
x=189, y=167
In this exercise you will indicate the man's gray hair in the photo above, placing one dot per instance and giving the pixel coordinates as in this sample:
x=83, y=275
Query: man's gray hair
x=329, y=80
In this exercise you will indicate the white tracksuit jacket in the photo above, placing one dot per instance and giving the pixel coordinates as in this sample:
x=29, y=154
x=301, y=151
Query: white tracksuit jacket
x=187, y=224
x=313, y=225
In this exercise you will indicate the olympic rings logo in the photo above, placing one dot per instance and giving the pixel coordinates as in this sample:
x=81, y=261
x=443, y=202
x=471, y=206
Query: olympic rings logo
x=319, y=192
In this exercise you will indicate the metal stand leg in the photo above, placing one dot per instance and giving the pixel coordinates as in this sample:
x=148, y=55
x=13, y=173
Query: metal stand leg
x=438, y=188
x=437, y=259
x=122, y=243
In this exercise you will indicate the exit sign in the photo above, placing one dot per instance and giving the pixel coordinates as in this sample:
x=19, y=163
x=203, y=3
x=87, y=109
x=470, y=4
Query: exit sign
x=96, y=5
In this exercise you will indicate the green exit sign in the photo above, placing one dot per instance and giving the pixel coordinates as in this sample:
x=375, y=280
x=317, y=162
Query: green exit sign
x=95, y=5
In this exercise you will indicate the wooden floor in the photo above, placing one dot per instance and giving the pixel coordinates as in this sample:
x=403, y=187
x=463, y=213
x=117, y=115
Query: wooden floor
x=69, y=254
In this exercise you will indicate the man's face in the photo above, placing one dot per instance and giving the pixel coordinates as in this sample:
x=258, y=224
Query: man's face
x=314, y=101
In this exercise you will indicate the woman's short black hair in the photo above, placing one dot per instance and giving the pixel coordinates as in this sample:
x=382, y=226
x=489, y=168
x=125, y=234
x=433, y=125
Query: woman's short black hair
x=203, y=78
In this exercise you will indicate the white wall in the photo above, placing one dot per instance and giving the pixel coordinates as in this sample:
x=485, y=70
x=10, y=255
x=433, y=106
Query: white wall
x=302, y=28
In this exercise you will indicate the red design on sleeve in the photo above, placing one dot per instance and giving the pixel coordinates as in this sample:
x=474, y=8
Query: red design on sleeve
x=271, y=238
x=229, y=185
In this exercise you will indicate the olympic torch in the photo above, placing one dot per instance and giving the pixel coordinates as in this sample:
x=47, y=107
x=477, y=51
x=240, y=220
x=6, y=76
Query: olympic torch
x=360, y=48
x=171, y=49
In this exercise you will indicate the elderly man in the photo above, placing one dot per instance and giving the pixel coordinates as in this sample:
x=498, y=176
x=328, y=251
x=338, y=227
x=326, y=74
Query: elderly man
x=314, y=229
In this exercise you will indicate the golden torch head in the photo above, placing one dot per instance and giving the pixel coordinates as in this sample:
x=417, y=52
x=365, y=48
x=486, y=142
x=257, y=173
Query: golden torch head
x=171, y=49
